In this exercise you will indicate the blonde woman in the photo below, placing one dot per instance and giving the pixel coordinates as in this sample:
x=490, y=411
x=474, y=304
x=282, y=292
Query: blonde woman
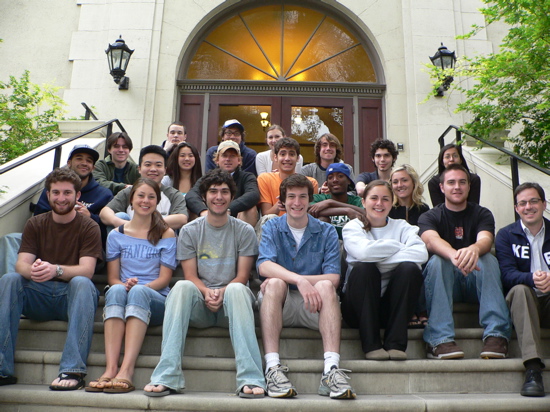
x=408, y=202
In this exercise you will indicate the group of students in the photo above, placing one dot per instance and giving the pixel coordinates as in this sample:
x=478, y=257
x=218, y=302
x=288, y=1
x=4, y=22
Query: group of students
x=386, y=235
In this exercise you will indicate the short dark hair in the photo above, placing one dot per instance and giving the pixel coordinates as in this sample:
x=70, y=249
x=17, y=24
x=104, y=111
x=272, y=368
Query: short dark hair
x=63, y=174
x=331, y=139
x=177, y=124
x=529, y=185
x=454, y=166
x=113, y=138
x=295, y=180
x=384, y=144
x=153, y=148
x=289, y=143
x=217, y=177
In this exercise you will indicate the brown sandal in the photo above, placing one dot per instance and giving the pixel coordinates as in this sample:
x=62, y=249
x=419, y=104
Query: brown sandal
x=91, y=388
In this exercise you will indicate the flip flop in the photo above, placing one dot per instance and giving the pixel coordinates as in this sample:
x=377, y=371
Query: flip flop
x=95, y=388
x=415, y=323
x=165, y=392
x=80, y=383
x=115, y=389
x=252, y=394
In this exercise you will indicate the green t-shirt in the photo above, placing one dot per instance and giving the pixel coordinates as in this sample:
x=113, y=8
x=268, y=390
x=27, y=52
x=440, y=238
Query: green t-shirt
x=338, y=221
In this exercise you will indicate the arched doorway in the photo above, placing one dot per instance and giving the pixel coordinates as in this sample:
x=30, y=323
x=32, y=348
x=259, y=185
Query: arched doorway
x=308, y=67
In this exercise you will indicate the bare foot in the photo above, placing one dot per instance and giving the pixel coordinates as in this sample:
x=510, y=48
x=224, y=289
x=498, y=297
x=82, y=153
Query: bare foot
x=255, y=390
x=155, y=388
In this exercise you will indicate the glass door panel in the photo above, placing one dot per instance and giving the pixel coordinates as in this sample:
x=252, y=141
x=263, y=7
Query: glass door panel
x=309, y=123
x=311, y=117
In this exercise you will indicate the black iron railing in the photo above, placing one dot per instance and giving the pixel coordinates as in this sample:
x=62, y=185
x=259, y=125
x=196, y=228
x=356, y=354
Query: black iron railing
x=57, y=147
x=514, y=157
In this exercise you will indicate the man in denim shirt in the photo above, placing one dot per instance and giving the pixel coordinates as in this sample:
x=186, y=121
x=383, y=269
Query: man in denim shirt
x=300, y=262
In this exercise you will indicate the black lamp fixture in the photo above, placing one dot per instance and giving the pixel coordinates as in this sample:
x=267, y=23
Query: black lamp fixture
x=444, y=59
x=118, y=57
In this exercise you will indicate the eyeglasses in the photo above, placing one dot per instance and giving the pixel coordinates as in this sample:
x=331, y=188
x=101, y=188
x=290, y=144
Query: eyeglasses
x=231, y=133
x=532, y=202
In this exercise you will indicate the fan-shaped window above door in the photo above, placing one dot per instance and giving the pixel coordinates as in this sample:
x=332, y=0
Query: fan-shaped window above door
x=282, y=43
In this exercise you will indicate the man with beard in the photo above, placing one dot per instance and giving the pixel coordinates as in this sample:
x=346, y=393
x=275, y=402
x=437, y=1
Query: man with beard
x=93, y=197
x=52, y=281
x=337, y=207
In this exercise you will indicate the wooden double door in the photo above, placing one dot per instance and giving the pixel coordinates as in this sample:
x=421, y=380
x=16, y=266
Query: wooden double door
x=303, y=118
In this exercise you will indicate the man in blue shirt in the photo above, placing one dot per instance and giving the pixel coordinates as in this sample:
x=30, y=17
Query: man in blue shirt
x=300, y=261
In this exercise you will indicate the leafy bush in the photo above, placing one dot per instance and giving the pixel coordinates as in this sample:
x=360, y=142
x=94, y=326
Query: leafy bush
x=28, y=116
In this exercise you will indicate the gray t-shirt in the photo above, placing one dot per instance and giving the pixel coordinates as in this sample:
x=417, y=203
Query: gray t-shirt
x=217, y=249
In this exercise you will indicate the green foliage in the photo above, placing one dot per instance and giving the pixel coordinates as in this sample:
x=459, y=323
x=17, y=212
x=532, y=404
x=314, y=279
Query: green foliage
x=28, y=116
x=512, y=86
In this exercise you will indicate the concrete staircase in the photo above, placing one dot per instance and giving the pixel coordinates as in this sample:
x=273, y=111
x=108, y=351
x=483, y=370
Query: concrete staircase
x=469, y=384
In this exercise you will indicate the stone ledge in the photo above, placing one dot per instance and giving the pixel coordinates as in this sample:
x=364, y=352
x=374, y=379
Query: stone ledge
x=40, y=398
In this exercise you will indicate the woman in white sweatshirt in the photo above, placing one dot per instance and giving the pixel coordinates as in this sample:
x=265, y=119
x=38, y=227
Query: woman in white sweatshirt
x=384, y=277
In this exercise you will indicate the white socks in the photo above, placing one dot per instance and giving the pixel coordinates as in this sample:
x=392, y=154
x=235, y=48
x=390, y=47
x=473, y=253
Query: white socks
x=271, y=359
x=331, y=359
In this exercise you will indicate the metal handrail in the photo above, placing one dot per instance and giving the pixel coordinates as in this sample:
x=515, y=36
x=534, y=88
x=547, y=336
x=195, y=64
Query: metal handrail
x=514, y=157
x=88, y=112
x=57, y=147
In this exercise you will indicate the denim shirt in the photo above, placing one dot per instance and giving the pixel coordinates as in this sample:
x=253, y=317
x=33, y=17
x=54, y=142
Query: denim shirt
x=318, y=253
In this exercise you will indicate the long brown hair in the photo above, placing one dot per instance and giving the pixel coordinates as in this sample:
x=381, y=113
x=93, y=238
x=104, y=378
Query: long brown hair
x=363, y=218
x=173, y=167
x=158, y=225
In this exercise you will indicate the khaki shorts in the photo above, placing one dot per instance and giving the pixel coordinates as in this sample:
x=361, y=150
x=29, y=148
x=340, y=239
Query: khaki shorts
x=294, y=313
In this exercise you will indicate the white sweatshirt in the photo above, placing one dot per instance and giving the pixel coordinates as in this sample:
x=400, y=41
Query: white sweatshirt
x=386, y=246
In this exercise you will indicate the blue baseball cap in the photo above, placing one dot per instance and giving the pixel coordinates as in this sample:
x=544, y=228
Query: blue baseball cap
x=340, y=168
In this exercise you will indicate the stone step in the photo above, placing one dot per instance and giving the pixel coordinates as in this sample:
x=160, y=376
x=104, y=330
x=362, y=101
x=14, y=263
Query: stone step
x=32, y=398
x=367, y=377
x=297, y=343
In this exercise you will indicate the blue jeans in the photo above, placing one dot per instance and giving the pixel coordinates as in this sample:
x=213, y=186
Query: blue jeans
x=9, y=249
x=74, y=302
x=185, y=307
x=445, y=284
x=140, y=302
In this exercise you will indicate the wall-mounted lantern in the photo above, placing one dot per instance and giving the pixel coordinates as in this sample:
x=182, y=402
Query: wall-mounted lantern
x=444, y=59
x=118, y=57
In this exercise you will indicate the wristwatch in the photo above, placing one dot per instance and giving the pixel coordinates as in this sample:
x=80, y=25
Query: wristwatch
x=58, y=271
